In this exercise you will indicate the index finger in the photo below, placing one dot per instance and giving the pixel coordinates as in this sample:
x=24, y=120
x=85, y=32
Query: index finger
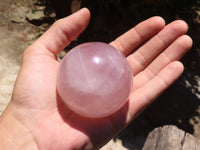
x=137, y=35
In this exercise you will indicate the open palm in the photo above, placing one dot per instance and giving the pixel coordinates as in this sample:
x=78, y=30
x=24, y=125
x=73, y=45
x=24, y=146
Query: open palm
x=152, y=50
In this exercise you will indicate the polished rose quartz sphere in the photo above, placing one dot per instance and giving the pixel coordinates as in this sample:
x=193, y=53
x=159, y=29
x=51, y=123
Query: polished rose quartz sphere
x=94, y=80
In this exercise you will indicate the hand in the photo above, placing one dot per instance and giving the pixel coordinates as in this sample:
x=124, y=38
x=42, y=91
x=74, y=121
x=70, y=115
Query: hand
x=45, y=123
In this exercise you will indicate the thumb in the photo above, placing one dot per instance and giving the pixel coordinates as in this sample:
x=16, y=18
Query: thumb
x=62, y=32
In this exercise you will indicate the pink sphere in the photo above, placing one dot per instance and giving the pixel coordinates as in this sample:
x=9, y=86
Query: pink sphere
x=94, y=80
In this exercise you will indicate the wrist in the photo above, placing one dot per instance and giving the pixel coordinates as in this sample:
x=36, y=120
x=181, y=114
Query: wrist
x=13, y=135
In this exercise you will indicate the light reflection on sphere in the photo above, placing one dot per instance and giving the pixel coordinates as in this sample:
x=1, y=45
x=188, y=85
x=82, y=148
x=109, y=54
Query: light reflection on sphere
x=94, y=80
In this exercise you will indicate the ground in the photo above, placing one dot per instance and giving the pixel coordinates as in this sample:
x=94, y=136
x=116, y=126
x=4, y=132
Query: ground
x=23, y=21
x=14, y=39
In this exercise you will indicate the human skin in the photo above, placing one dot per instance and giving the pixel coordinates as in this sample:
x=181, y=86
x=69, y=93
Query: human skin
x=37, y=119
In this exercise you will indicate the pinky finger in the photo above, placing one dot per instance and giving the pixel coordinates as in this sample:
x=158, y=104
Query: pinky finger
x=145, y=95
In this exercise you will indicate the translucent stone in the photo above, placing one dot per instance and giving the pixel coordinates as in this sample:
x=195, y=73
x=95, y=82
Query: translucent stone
x=94, y=80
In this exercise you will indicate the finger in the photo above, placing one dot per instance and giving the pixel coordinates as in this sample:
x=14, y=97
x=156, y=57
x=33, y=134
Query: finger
x=63, y=31
x=145, y=95
x=137, y=35
x=174, y=52
x=151, y=49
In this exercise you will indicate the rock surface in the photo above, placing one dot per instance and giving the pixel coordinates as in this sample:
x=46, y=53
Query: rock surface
x=16, y=34
x=171, y=138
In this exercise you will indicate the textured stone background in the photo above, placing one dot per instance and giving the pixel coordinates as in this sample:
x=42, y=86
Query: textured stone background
x=180, y=105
